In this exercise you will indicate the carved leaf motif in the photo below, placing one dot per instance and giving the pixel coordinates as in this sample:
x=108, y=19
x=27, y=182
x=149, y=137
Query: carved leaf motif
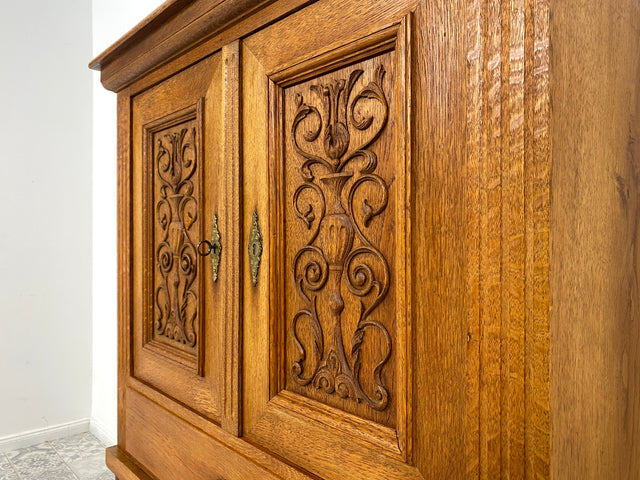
x=308, y=216
x=356, y=345
x=372, y=91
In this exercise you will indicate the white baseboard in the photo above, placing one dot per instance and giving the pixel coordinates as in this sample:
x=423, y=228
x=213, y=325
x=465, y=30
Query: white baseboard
x=103, y=433
x=34, y=437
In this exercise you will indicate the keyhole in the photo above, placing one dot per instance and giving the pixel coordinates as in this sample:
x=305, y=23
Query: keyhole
x=254, y=250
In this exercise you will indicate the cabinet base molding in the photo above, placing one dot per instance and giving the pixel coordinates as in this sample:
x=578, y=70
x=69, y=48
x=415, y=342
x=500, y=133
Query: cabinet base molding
x=123, y=466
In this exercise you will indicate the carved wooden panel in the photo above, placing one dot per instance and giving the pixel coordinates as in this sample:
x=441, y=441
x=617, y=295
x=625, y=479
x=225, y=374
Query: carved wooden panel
x=340, y=201
x=172, y=184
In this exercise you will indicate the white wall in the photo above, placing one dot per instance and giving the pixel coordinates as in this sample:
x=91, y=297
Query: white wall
x=56, y=207
x=45, y=214
x=111, y=19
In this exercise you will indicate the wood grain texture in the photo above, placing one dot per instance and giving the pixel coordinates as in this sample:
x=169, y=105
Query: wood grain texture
x=439, y=235
x=538, y=194
x=256, y=300
x=320, y=18
x=278, y=467
x=507, y=118
x=125, y=260
x=595, y=212
x=490, y=237
x=513, y=262
x=168, y=447
x=231, y=280
x=160, y=38
x=348, y=456
x=473, y=91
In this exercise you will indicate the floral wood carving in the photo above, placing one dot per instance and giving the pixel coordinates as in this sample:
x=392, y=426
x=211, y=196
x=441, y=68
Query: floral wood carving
x=176, y=297
x=339, y=251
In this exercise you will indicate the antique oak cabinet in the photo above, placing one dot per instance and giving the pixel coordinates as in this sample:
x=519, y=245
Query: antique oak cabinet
x=378, y=239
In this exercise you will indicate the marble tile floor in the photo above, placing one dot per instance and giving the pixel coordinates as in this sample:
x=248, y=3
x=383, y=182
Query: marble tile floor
x=79, y=457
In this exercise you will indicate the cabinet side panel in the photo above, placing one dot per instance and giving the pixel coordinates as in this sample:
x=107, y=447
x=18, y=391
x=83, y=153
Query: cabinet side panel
x=124, y=256
x=595, y=218
x=537, y=170
x=506, y=225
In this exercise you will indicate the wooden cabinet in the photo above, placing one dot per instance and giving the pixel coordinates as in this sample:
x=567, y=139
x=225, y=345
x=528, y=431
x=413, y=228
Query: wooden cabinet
x=378, y=239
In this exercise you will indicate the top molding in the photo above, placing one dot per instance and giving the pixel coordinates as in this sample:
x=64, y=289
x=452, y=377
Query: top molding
x=178, y=26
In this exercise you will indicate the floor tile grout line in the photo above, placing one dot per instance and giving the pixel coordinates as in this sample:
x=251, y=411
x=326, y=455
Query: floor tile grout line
x=83, y=455
x=64, y=462
x=73, y=472
x=11, y=465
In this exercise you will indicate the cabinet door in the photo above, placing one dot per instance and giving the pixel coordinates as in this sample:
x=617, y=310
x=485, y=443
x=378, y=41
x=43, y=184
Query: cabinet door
x=175, y=331
x=327, y=359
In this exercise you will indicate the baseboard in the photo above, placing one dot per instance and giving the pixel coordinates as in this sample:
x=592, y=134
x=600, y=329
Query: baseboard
x=102, y=432
x=34, y=437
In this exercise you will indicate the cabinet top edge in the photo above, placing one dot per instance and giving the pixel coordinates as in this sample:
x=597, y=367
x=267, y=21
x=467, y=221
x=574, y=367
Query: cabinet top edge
x=151, y=22
x=172, y=29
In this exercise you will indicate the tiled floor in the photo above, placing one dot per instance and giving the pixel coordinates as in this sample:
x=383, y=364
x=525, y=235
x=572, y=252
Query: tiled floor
x=80, y=457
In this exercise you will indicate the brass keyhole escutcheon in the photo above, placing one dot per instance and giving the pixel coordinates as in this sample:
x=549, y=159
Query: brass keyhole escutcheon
x=213, y=248
x=255, y=249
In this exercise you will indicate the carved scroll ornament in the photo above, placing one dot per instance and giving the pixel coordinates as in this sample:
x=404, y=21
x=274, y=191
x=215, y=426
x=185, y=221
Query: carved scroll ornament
x=339, y=251
x=176, y=211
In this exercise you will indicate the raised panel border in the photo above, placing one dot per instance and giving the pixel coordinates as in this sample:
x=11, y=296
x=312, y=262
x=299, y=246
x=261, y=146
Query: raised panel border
x=393, y=443
x=149, y=344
